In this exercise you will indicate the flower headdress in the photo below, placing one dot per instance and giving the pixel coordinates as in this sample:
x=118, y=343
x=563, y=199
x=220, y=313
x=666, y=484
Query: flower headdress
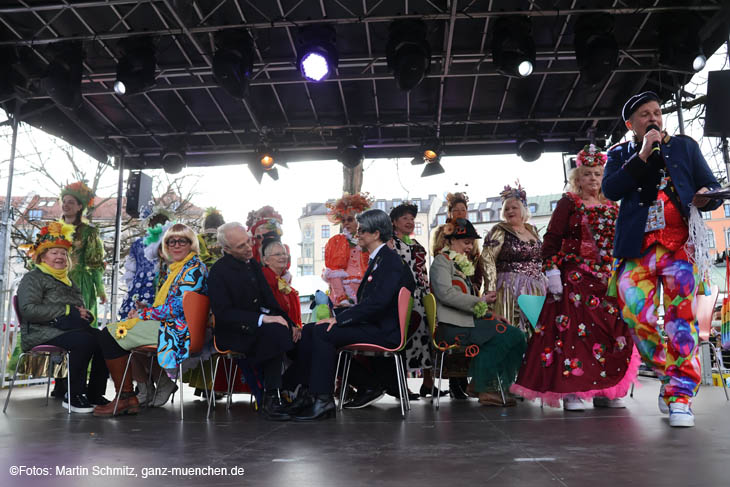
x=349, y=204
x=151, y=210
x=271, y=226
x=264, y=212
x=53, y=235
x=81, y=192
x=517, y=192
x=590, y=156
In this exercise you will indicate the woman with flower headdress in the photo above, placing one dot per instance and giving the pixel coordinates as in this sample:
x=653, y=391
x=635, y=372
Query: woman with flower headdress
x=52, y=312
x=580, y=348
x=345, y=262
x=262, y=224
x=512, y=260
x=210, y=249
x=464, y=319
x=87, y=253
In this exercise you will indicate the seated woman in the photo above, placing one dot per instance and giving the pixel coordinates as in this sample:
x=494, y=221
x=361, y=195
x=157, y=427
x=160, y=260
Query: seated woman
x=275, y=259
x=52, y=312
x=463, y=318
x=162, y=325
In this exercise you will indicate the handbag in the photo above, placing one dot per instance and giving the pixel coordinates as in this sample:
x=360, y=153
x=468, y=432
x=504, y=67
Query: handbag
x=725, y=311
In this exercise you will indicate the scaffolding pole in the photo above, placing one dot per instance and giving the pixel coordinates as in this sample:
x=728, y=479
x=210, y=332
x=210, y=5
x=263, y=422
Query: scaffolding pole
x=117, y=237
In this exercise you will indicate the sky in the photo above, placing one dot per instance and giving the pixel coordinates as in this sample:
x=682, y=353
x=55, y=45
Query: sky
x=234, y=191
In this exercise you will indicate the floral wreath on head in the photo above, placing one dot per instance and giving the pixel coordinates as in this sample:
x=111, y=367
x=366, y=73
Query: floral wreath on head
x=150, y=210
x=590, y=156
x=53, y=235
x=349, y=204
x=271, y=225
x=517, y=192
x=265, y=212
x=81, y=192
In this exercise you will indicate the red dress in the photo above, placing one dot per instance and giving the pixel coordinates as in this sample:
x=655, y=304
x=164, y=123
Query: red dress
x=581, y=345
x=286, y=296
x=345, y=264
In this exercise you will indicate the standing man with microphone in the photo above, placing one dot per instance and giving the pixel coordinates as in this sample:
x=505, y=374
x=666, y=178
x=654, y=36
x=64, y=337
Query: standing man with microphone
x=657, y=177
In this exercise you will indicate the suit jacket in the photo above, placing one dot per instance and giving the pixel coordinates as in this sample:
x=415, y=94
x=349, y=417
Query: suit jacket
x=627, y=177
x=238, y=295
x=377, y=295
x=454, y=294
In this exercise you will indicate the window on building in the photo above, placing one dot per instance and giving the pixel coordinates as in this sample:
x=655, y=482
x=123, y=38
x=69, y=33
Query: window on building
x=441, y=219
x=727, y=209
x=706, y=215
x=322, y=253
x=307, y=250
x=727, y=239
x=417, y=202
x=307, y=270
x=486, y=216
x=712, y=240
x=473, y=216
x=380, y=205
x=553, y=205
x=35, y=214
x=325, y=231
x=308, y=232
x=418, y=229
x=533, y=208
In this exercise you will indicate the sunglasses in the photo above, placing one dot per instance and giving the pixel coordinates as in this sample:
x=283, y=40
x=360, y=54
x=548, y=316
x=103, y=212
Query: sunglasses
x=178, y=242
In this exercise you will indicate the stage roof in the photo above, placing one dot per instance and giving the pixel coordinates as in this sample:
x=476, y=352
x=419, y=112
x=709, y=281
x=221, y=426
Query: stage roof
x=472, y=107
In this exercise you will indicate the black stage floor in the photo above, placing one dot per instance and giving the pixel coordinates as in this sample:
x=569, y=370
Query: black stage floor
x=463, y=443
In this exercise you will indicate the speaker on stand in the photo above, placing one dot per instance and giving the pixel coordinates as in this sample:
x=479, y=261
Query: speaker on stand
x=717, y=121
x=139, y=193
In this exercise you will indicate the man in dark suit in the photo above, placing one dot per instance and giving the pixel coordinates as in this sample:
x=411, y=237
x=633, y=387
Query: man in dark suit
x=247, y=317
x=374, y=319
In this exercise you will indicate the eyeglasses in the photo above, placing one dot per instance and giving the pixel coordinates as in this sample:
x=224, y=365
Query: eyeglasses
x=181, y=242
x=278, y=254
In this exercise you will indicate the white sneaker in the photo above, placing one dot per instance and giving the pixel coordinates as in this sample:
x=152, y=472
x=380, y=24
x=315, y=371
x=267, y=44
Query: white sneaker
x=571, y=402
x=663, y=408
x=680, y=415
x=604, y=402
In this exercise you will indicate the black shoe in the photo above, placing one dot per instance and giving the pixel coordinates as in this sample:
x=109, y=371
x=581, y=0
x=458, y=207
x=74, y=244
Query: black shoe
x=273, y=409
x=302, y=402
x=365, y=399
x=79, y=404
x=426, y=391
x=60, y=389
x=99, y=401
x=322, y=407
x=456, y=391
x=412, y=396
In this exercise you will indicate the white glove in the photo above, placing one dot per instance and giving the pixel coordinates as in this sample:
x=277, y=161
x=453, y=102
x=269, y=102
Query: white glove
x=555, y=285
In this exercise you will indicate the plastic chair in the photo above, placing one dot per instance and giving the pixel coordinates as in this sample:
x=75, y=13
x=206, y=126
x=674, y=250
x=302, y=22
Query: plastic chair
x=705, y=308
x=196, y=308
x=429, y=303
x=346, y=353
x=39, y=350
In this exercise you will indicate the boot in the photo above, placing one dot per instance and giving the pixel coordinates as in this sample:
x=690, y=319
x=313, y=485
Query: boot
x=272, y=408
x=126, y=399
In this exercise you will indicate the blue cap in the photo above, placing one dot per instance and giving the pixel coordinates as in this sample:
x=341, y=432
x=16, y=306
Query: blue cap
x=636, y=101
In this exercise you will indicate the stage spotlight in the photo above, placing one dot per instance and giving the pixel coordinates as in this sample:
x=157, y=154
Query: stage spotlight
x=430, y=151
x=258, y=171
x=350, y=153
x=62, y=81
x=596, y=49
x=317, y=55
x=233, y=62
x=173, y=161
x=513, y=49
x=408, y=53
x=433, y=168
x=136, y=67
x=529, y=147
x=679, y=42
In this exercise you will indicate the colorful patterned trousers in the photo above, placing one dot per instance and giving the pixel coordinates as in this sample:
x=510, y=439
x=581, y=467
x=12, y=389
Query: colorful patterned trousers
x=674, y=358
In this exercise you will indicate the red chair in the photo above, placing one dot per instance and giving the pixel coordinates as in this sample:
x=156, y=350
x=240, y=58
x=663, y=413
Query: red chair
x=197, y=310
x=40, y=350
x=346, y=353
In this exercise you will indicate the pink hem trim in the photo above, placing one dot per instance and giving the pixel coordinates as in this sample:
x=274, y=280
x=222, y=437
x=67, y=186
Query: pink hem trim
x=552, y=399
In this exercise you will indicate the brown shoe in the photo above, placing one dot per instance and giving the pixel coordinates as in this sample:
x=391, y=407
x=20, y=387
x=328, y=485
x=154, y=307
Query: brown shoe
x=128, y=404
x=495, y=399
x=470, y=390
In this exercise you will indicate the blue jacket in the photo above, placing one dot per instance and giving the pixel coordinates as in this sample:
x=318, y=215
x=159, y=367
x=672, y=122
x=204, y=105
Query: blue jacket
x=377, y=295
x=626, y=176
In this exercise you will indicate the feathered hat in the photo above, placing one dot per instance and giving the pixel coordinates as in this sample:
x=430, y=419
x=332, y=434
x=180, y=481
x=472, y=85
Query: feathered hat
x=349, y=204
x=590, y=156
x=517, y=192
x=254, y=216
x=212, y=218
x=150, y=211
x=53, y=235
x=81, y=192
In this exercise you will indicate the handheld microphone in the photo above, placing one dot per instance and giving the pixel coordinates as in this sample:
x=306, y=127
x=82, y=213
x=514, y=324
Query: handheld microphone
x=655, y=146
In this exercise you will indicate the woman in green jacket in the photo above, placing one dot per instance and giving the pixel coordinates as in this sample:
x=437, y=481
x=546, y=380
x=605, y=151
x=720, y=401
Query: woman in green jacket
x=52, y=312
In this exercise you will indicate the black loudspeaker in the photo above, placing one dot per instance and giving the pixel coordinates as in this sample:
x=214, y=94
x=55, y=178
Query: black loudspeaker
x=139, y=193
x=717, y=114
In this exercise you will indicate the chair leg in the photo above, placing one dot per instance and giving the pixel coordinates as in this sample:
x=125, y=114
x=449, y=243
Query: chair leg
x=346, y=358
x=718, y=357
x=404, y=380
x=215, y=373
x=631, y=394
x=12, y=382
x=205, y=383
x=233, y=371
x=50, y=373
x=441, y=376
x=68, y=380
x=403, y=397
x=179, y=378
x=501, y=390
x=119, y=392
x=157, y=384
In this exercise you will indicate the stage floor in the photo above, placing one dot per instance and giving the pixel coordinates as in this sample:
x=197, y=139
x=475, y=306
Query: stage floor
x=463, y=443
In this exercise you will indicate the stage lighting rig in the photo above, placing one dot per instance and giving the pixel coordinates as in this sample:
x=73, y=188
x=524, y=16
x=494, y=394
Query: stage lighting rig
x=529, y=144
x=430, y=151
x=136, y=68
x=350, y=152
x=408, y=52
x=317, y=55
x=62, y=80
x=513, y=49
x=596, y=49
x=173, y=161
x=679, y=42
x=233, y=62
